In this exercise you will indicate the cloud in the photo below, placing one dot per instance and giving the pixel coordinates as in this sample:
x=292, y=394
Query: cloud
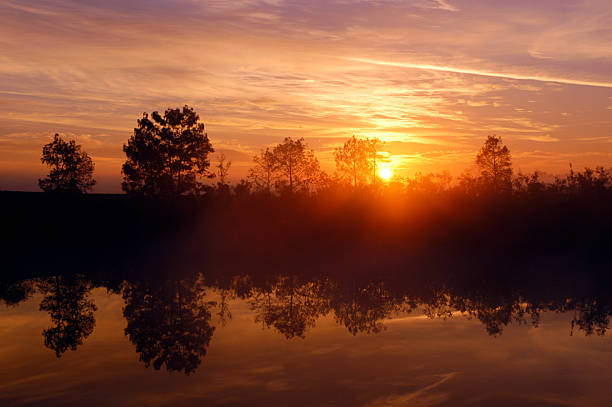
x=416, y=398
x=477, y=72
x=438, y=4
x=604, y=138
x=542, y=139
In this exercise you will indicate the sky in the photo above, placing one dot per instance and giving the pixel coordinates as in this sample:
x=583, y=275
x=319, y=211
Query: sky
x=431, y=78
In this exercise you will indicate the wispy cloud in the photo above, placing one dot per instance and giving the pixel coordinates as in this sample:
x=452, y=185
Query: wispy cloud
x=420, y=397
x=477, y=72
x=438, y=4
x=542, y=139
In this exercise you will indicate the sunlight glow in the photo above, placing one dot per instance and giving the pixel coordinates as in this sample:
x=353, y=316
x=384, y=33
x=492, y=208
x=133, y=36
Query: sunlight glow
x=385, y=173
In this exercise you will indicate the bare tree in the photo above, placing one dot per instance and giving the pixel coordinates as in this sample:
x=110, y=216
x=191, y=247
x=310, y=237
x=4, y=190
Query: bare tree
x=222, y=169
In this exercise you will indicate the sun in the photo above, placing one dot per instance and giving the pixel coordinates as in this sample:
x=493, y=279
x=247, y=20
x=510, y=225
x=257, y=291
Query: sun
x=385, y=173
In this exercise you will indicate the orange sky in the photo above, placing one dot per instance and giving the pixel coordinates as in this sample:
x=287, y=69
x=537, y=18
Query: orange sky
x=430, y=77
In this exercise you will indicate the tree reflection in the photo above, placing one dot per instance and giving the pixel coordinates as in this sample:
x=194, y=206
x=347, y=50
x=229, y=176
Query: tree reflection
x=14, y=292
x=494, y=312
x=592, y=317
x=72, y=312
x=362, y=309
x=169, y=322
x=292, y=304
x=288, y=306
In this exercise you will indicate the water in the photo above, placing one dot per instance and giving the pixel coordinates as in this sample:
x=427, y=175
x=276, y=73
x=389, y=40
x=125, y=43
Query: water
x=298, y=341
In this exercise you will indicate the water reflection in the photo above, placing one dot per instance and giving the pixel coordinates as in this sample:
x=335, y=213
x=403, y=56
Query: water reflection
x=361, y=309
x=171, y=320
x=71, y=311
x=14, y=292
x=168, y=322
x=289, y=306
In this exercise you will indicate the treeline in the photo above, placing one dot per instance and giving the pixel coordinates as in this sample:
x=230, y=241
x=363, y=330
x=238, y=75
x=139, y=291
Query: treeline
x=288, y=214
x=169, y=156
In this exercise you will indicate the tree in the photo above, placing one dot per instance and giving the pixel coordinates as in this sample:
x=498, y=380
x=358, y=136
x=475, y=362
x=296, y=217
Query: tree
x=222, y=171
x=590, y=181
x=296, y=164
x=263, y=173
x=242, y=188
x=495, y=163
x=167, y=155
x=429, y=183
x=528, y=183
x=356, y=159
x=374, y=145
x=71, y=169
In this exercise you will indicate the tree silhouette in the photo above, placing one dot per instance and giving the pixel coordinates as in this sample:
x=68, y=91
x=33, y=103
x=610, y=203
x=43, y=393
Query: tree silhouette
x=169, y=323
x=589, y=182
x=71, y=169
x=167, y=155
x=71, y=312
x=528, y=183
x=296, y=164
x=356, y=159
x=222, y=170
x=429, y=183
x=263, y=174
x=495, y=163
x=242, y=189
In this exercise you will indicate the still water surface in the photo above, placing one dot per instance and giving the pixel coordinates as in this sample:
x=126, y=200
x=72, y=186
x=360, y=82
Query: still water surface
x=67, y=342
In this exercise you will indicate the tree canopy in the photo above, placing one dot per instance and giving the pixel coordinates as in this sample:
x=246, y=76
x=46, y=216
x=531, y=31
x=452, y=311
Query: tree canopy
x=167, y=155
x=263, y=173
x=296, y=164
x=356, y=159
x=495, y=163
x=290, y=166
x=71, y=168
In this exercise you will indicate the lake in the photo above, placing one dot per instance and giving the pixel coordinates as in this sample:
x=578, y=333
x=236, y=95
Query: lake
x=300, y=340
